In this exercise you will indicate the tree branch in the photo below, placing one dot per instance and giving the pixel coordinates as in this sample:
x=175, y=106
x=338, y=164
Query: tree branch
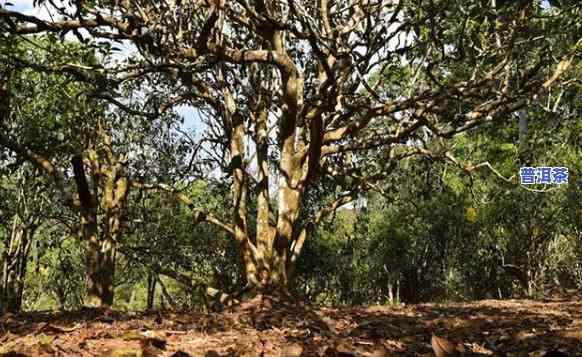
x=198, y=214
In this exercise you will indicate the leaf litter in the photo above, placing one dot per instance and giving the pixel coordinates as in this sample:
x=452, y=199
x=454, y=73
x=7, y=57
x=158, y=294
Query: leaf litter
x=269, y=327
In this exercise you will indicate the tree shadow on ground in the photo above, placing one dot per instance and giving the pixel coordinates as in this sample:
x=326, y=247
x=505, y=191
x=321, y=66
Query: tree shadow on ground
x=266, y=326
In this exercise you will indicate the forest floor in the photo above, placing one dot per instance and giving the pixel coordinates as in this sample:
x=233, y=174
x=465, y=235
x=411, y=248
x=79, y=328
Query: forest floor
x=264, y=327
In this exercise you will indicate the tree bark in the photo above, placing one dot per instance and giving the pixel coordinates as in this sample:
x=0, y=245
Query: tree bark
x=289, y=191
x=100, y=253
x=166, y=295
x=151, y=291
x=265, y=232
x=14, y=267
x=15, y=256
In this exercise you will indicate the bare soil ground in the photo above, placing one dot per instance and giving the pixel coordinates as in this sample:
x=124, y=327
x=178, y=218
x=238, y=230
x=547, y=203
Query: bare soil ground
x=264, y=327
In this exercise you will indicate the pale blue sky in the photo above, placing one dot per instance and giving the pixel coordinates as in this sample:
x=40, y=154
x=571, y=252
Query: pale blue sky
x=19, y=5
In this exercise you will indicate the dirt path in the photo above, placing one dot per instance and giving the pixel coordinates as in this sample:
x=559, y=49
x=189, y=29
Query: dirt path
x=265, y=328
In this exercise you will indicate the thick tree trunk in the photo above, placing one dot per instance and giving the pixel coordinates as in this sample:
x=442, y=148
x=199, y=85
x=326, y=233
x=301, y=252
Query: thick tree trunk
x=101, y=243
x=265, y=232
x=100, y=253
x=288, y=211
x=237, y=131
x=290, y=174
x=100, y=262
